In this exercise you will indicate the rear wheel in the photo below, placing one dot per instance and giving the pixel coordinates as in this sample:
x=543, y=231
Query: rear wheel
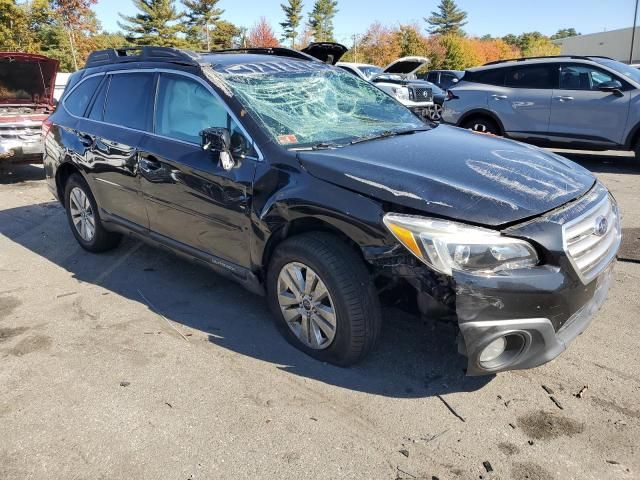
x=323, y=299
x=84, y=218
x=482, y=125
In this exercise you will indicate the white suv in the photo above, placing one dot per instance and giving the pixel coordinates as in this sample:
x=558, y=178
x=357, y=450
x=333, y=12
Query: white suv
x=567, y=101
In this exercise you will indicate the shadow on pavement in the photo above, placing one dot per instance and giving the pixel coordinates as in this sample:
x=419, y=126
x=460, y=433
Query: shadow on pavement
x=414, y=358
x=12, y=174
x=603, y=162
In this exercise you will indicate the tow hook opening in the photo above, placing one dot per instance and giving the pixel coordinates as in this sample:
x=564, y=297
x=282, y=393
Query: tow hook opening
x=502, y=351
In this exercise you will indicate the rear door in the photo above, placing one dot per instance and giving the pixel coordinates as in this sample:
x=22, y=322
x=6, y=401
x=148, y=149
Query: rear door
x=579, y=110
x=122, y=113
x=192, y=201
x=523, y=104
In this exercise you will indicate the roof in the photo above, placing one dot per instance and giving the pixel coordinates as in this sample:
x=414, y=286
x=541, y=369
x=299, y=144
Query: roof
x=531, y=60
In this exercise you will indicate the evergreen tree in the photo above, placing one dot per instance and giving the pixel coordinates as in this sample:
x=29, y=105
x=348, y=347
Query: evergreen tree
x=158, y=23
x=201, y=16
x=321, y=20
x=448, y=20
x=293, y=14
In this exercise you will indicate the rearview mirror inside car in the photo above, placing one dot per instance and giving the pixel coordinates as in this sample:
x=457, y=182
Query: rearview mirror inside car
x=218, y=141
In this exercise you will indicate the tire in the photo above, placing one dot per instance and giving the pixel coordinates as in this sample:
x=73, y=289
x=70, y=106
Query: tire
x=350, y=292
x=636, y=150
x=482, y=125
x=101, y=240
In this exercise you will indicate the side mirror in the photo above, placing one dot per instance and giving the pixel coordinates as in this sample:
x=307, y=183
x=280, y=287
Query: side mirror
x=614, y=86
x=218, y=141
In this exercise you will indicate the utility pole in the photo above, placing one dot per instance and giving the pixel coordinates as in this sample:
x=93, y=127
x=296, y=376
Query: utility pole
x=633, y=32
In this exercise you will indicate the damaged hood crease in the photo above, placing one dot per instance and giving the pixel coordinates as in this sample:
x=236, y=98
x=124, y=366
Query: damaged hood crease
x=500, y=183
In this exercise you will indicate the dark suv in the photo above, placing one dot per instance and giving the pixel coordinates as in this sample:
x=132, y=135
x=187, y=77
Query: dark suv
x=311, y=185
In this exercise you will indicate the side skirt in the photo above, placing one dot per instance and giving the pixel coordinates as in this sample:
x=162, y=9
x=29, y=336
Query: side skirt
x=241, y=275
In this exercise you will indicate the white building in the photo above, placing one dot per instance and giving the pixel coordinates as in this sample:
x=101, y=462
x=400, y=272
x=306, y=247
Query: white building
x=615, y=44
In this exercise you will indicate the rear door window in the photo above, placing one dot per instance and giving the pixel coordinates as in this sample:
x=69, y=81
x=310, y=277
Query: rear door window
x=130, y=100
x=532, y=76
x=432, y=77
x=78, y=100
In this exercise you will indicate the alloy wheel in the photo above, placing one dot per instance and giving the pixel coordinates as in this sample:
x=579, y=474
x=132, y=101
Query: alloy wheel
x=82, y=214
x=306, y=305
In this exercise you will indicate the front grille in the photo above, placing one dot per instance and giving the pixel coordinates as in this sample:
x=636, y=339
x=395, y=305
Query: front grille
x=20, y=132
x=588, y=244
x=422, y=94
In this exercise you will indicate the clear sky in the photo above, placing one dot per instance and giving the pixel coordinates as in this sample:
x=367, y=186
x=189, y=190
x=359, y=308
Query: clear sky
x=495, y=17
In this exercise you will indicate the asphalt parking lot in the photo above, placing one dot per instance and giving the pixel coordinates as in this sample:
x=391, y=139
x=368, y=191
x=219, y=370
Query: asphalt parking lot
x=136, y=364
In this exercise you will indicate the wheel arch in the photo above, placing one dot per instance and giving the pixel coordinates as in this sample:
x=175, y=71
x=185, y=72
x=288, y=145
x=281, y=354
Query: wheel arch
x=63, y=173
x=481, y=112
x=632, y=137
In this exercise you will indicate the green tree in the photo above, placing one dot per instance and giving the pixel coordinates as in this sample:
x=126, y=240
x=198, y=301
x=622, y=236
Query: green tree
x=321, y=20
x=201, y=16
x=540, y=47
x=15, y=34
x=158, y=23
x=448, y=20
x=564, y=33
x=293, y=15
x=410, y=40
x=225, y=35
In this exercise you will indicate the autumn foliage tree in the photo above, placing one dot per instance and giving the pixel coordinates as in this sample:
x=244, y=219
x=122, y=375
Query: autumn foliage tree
x=80, y=24
x=262, y=35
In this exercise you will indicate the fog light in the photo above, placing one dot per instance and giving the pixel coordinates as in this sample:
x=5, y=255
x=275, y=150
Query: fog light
x=493, y=350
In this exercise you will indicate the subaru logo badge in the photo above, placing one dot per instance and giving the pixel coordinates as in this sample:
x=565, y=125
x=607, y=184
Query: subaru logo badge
x=602, y=226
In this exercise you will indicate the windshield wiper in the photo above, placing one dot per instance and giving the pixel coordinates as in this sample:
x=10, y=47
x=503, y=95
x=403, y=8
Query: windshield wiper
x=387, y=134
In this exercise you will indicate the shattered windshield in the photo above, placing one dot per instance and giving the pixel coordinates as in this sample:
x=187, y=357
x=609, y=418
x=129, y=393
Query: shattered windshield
x=303, y=104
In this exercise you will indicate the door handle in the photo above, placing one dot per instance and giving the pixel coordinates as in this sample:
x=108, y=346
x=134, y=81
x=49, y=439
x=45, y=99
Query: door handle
x=499, y=97
x=563, y=98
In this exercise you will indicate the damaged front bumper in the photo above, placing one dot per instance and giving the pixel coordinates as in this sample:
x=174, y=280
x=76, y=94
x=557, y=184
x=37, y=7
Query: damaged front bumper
x=522, y=318
x=528, y=342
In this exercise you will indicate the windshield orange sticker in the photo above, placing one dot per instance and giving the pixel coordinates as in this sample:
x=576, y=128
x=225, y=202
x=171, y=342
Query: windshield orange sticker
x=287, y=139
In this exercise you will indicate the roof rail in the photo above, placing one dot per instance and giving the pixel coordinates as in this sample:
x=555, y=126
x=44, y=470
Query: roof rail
x=522, y=59
x=276, y=51
x=142, y=54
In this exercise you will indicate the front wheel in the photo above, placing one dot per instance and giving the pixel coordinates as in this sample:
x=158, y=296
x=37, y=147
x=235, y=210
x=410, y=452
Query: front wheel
x=323, y=299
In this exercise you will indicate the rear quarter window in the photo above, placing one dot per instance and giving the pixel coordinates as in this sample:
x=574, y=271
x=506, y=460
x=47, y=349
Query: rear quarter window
x=494, y=76
x=78, y=100
x=130, y=100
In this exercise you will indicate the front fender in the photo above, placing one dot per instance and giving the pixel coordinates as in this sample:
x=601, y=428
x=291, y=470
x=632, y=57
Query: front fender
x=302, y=197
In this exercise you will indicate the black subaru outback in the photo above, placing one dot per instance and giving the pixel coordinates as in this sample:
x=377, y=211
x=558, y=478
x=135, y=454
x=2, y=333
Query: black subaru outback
x=313, y=187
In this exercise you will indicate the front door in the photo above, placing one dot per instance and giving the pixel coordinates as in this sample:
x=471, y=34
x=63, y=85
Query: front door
x=579, y=110
x=190, y=198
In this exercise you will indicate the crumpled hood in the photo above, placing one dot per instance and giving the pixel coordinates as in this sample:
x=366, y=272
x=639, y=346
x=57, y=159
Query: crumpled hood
x=454, y=173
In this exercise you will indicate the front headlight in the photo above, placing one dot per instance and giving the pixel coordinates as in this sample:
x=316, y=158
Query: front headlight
x=401, y=93
x=446, y=246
